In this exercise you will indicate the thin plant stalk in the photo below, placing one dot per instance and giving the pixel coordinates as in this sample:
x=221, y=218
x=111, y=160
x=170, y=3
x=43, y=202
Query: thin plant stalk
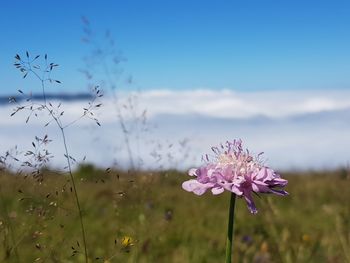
x=62, y=127
x=119, y=115
x=59, y=124
x=108, y=72
x=73, y=182
x=76, y=195
x=229, y=243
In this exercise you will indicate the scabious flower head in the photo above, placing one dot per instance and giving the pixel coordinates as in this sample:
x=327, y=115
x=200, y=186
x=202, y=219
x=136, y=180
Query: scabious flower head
x=237, y=171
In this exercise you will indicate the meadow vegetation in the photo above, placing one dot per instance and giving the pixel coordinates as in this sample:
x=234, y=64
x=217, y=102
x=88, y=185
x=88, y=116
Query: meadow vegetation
x=94, y=215
x=147, y=217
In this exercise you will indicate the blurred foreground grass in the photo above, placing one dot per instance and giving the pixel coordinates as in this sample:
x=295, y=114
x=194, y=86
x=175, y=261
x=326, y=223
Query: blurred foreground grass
x=147, y=217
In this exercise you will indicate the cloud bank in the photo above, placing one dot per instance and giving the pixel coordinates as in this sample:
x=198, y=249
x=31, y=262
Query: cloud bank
x=296, y=129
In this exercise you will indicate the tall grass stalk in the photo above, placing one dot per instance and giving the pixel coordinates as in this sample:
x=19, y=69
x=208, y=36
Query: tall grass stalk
x=26, y=67
x=75, y=192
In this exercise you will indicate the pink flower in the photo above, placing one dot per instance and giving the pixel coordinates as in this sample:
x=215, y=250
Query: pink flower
x=236, y=171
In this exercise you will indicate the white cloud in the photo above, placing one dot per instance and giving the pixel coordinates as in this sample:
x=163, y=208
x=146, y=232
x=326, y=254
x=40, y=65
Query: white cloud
x=230, y=104
x=296, y=129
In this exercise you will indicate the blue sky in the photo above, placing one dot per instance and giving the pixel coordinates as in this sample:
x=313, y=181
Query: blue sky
x=239, y=45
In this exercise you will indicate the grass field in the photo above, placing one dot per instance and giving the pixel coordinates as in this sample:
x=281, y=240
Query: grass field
x=147, y=217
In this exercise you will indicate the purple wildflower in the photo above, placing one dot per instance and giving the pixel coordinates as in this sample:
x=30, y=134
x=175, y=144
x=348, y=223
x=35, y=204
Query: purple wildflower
x=235, y=170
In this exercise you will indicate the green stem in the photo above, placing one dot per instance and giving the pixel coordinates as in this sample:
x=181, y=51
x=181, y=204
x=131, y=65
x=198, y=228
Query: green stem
x=75, y=194
x=230, y=229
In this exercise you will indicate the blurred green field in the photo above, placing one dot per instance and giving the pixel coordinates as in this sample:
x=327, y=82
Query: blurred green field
x=39, y=221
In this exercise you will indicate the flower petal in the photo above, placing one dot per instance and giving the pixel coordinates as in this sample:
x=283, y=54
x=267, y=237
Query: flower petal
x=250, y=202
x=260, y=187
x=217, y=190
x=192, y=172
x=279, y=192
x=195, y=187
